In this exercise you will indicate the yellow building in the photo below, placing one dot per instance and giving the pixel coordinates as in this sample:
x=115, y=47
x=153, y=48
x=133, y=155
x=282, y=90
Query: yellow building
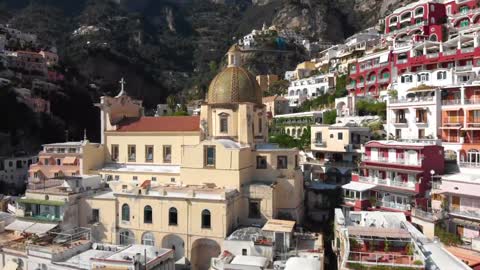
x=187, y=182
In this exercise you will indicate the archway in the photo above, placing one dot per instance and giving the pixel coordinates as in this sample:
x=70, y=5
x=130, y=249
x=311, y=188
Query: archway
x=176, y=243
x=202, y=251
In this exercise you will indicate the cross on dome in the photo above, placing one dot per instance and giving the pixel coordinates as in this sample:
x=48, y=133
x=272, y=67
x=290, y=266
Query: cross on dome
x=122, y=88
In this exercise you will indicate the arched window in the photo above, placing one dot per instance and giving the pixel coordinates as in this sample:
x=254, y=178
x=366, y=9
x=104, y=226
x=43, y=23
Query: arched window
x=147, y=214
x=297, y=93
x=148, y=239
x=206, y=219
x=433, y=37
x=291, y=93
x=126, y=238
x=59, y=162
x=125, y=212
x=172, y=216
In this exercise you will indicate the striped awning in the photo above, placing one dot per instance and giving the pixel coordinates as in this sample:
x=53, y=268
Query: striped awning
x=69, y=160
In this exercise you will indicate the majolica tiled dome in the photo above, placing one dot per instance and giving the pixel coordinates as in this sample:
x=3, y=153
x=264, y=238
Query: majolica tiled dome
x=234, y=85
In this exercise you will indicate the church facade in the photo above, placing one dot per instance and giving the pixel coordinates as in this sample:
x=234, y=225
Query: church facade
x=187, y=182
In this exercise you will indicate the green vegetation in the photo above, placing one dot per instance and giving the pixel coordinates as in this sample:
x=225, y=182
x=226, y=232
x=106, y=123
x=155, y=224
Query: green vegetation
x=446, y=237
x=326, y=100
x=372, y=107
x=329, y=117
x=287, y=141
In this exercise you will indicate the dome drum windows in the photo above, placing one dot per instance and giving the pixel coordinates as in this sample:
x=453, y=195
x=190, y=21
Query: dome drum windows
x=148, y=214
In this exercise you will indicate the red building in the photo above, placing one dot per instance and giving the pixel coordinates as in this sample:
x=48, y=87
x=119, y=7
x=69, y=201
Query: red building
x=371, y=74
x=394, y=176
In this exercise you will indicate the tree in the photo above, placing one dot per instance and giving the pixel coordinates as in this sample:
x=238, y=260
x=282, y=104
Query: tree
x=329, y=117
x=172, y=103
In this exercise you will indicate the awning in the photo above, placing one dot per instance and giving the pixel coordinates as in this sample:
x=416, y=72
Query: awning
x=41, y=202
x=379, y=232
x=391, y=169
x=278, y=225
x=396, y=190
x=467, y=223
x=46, y=157
x=451, y=108
x=69, y=160
x=19, y=226
x=358, y=186
x=41, y=228
x=11, y=265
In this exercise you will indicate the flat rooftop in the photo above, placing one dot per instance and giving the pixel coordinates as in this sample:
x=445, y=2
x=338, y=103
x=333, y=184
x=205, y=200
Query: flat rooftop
x=120, y=167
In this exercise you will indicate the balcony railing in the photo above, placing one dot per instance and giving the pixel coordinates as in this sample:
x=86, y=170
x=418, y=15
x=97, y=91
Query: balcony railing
x=463, y=68
x=449, y=52
x=469, y=12
x=36, y=185
x=400, y=161
x=394, y=205
x=466, y=164
x=320, y=143
x=401, y=121
x=383, y=80
x=471, y=214
x=371, y=82
x=360, y=84
x=390, y=260
x=432, y=55
x=351, y=86
x=468, y=50
x=472, y=101
x=428, y=215
x=402, y=61
x=451, y=102
x=410, y=100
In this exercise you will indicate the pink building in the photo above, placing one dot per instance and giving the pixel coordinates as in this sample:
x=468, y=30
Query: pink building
x=51, y=59
x=31, y=62
x=394, y=176
x=460, y=195
x=58, y=160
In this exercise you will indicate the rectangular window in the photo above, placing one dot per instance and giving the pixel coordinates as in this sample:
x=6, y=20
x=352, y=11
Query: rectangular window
x=148, y=153
x=167, y=154
x=340, y=135
x=135, y=178
x=254, y=209
x=209, y=156
x=421, y=133
x=282, y=162
x=224, y=124
x=261, y=162
x=132, y=153
x=95, y=215
x=154, y=179
x=260, y=125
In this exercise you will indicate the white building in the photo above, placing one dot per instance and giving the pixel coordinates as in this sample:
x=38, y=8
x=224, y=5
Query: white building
x=414, y=115
x=14, y=170
x=309, y=88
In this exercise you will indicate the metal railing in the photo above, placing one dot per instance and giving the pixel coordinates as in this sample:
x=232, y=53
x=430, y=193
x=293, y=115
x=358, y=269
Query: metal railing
x=432, y=55
x=428, y=215
x=410, y=100
x=463, y=68
x=360, y=84
x=467, y=164
x=472, y=214
x=394, y=161
x=402, y=61
x=469, y=12
x=44, y=184
x=384, y=258
x=472, y=101
x=320, y=143
x=468, y=50
x=449, y=52
x=393, y=205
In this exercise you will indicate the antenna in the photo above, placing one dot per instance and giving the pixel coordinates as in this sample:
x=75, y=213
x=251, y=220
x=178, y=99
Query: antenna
x=66, y=135
x=85, y=134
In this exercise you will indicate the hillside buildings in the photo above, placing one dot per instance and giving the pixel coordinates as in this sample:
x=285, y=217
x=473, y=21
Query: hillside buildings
x=309, y=88
x=14, y=170
x=276, y=105
x=265, y=81
x=295, y=124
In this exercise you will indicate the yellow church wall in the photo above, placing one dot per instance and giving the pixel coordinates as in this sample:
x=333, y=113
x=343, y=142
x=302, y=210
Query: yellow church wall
x=157, y=139
x=93, y=157
x=161, y=178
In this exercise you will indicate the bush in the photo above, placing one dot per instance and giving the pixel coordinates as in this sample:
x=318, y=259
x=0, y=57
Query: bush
x=372, y=107
x=329, y=117
x=446, y=237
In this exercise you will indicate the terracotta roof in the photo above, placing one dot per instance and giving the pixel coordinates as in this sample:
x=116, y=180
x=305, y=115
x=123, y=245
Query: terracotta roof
x=162, y=123
x=272, y=98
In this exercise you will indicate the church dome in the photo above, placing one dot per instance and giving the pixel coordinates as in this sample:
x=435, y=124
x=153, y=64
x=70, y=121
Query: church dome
x=234, y=85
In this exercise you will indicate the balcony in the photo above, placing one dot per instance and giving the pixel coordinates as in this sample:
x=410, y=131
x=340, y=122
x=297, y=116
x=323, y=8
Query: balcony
x=35, y=184
x=371, y=82
x=463, y=68
x=475, y=214
x=468, y=50
x=399, y=161
x=384, y=80
x=402, y=61
x=43, y=217
x=432, y=55
x=320, y=144
x=449, y=52
x=472, y=101
x=451, y=102
x=360, y=85
x=393, y=205
x=400, y=122
x=465, y=13
x=351, y=86
x=412, y=100
x=427, y=215
x=453, y=121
